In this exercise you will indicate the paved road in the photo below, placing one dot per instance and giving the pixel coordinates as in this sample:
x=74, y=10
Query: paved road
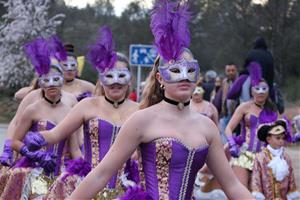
x=3, y=128
x=294, y=153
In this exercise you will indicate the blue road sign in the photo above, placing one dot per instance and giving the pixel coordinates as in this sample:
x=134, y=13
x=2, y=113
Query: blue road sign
x=142, y=55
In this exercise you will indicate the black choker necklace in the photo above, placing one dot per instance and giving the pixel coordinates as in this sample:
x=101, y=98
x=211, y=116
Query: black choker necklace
x=114, y=103
x=51, y=102
x=179, y=105
x=69, y=81
x=260, y=106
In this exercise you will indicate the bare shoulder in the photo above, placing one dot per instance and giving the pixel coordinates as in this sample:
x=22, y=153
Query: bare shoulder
x=89, y=102
x=142, y=117
x=21, y=93
x=31, y=97
x=132, y=106
x=69, y=97
x=205, y=126
x=86, y=85
x=245, y=105
x=31, y=109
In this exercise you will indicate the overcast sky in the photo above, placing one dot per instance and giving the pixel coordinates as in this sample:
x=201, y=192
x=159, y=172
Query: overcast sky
x=119, y=5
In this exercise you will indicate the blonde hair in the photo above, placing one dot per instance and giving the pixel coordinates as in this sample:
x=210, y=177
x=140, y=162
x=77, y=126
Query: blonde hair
x=152, y=93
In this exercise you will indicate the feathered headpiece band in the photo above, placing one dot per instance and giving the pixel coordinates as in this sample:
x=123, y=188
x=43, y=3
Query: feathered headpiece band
x=102, y=55
x=169, y=25
x=57, y=48
x=255, y=72
x=38, y=53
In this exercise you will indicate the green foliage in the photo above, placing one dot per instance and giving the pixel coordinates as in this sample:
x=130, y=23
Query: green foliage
x=291, y=89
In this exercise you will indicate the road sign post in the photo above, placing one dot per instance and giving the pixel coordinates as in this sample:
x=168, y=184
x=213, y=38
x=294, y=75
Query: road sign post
x=141, y=56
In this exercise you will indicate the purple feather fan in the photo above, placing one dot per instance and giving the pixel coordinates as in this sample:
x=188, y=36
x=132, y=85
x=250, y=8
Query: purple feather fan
x=102, y=55
x=169, y=26
x=78, y=166
x=255, y=72
x=38, y=53
x=134, y=193
x=132, y=169
x=57, y=48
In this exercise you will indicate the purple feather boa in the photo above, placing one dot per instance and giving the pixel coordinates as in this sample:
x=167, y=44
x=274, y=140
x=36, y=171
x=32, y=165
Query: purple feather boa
x=57, y=48
x=134, y=193
x=169, y=26
x=24, y=162
x=102, y=55
x=78, y=166
x=132, y=171
x=38, y=53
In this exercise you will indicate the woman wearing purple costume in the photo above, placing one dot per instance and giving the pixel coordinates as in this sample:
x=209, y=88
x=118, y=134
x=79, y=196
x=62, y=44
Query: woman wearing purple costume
x=101, y=116
x=26, y=179
x=244, y=146
x=202, y=106
x=80, y=88
x=9, y=156
x=174, y=141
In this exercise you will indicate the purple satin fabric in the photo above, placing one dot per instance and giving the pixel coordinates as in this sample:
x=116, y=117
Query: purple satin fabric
x=183, y=167
x=106, y=135
x=255, y=144
x=83, y=95
x=236, y=88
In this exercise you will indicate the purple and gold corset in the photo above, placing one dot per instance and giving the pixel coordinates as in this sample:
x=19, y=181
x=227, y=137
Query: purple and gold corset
x=249, y=135
x=99, y=136
x=56, y=149
x=170, y=168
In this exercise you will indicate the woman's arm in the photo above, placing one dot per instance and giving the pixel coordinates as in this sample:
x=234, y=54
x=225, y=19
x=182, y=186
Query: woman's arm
x=21, y=93
x=235, y=120
x=129, y=137
x=218, y=164
x=22, y=128
x=73, y=120
x=29, y=99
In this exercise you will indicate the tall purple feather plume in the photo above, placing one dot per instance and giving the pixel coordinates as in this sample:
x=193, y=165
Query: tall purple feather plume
x=57, y=48
x=169, y=25
x=102, y=55
x=38, y=53
x=255, y=72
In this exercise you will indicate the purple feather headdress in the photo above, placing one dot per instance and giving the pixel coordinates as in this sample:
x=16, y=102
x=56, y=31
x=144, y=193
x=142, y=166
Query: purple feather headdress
x=57, y=48
x=269, y=118
x=169, y=26
x=255, y=72
x=102, y=55
x=38, y=53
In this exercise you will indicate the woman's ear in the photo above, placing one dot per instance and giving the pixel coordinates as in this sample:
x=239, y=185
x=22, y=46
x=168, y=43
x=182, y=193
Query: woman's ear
x=159, y=78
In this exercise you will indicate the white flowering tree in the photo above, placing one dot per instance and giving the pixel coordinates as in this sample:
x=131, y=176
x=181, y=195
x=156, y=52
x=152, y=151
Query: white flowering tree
x=24, y=21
